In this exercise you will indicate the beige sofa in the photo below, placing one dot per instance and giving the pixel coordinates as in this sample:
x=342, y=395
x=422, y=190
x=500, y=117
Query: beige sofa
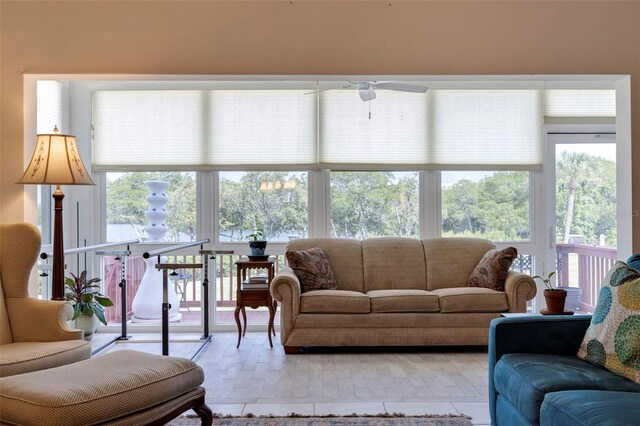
x=395, y=292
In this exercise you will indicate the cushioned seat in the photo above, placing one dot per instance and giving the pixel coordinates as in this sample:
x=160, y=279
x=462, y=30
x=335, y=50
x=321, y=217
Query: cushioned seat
x=122, y=387
x=524, y=379
x=24, y=357
x=590, y=408
x=335, y=301
x=403, y=301
x=471, y=299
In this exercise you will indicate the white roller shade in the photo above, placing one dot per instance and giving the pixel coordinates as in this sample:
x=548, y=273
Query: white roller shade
x=486, y=129
x=143, y=129
x=580, y=103
x=394, y=137
x=49, y=108
x=262, y=127
x=195, y=130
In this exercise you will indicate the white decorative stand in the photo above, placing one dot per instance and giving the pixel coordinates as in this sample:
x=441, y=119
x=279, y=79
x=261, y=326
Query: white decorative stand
x=156, y=213
x=147, y=303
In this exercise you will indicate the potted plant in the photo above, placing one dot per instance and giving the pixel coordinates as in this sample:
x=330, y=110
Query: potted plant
x=257, y=243
x=555, y=297
x=88, y=302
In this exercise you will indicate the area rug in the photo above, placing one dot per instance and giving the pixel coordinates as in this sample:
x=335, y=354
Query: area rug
x=350, y=420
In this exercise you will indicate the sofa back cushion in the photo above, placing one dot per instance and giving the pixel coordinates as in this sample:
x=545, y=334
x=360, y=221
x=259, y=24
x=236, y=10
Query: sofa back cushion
x=345, y=258
x=393, y=263
x=450, y=261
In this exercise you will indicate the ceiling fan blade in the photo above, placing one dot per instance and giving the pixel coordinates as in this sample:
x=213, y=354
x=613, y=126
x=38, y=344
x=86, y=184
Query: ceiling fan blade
x=348, y=86
x=401, y=87
x=367, y=94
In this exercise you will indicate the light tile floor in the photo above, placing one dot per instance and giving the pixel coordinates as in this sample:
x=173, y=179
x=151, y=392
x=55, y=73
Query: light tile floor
x=260, y=380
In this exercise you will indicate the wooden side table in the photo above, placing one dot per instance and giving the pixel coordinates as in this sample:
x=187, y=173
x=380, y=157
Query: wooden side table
x=254, y=297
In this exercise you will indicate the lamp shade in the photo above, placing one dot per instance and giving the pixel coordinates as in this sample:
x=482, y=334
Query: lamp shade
x=56, y=161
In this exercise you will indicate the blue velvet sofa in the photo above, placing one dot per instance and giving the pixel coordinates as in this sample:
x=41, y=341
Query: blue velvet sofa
x=535, y=377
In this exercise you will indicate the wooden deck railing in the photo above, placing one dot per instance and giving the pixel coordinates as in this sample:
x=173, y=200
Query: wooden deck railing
x=187, y=281
x=584, y=267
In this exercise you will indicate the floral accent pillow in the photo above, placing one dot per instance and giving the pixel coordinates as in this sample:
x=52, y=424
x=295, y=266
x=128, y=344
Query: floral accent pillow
x=492, y=269
x=612, y=340
x=312, y=269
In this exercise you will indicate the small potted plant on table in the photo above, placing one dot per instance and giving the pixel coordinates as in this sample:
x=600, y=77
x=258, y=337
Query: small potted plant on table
x=555, y=297
x=257, y=243
x=88, y=303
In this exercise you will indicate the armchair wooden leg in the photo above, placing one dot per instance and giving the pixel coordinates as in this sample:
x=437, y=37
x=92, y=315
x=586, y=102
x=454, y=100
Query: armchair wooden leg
x=205, y=414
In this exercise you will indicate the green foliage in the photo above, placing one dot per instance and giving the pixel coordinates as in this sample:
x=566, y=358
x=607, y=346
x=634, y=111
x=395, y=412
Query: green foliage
x=257, y=235
x=86, y=297
x=127, y=203
x=546, y=280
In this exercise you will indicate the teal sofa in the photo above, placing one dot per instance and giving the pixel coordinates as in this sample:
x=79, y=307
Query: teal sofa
x=535, y=377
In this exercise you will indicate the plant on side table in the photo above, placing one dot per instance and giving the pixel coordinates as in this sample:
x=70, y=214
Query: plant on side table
x=554, y=297
x=88, y=303
x=257, y=243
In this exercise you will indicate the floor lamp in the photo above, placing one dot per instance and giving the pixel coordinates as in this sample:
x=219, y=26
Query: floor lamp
x=56, y=161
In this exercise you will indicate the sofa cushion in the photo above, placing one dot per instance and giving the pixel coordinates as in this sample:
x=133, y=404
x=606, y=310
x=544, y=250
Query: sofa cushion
x=471, y=299
x=334, y=301
x=524, y=379
x=590, y=408
x=403, y=301
x=492, y=269
x=345, y=258
x=612, y=340
x=312, y=269
x=450, y=261
x=393, y=263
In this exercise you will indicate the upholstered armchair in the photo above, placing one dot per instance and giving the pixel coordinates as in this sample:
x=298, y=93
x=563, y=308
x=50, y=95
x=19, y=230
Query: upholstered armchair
x=33, y=332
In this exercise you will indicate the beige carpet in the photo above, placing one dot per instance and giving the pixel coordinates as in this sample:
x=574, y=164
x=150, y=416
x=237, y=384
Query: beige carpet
x=379, y=420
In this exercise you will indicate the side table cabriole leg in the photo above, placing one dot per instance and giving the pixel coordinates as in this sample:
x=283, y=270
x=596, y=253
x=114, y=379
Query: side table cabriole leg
x=244, y=318
x=236, y=315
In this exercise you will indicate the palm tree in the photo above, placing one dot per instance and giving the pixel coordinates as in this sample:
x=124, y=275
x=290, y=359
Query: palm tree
x=572, y=168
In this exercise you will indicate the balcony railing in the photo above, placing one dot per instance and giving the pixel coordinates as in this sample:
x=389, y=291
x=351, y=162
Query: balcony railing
x=584, y=267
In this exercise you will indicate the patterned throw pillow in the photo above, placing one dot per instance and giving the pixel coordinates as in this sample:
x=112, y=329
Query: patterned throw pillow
x=493, y=268
x=312, y=269
x=612, y=340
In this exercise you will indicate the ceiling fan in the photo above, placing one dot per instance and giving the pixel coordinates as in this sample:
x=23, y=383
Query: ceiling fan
x=366, y=89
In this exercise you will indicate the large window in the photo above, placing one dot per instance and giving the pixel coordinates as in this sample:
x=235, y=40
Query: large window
x=492, y=205
x=374, y=204
x=128, y=211
x=276, y=202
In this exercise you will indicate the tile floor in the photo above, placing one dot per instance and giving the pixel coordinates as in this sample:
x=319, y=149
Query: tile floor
x=260, y=380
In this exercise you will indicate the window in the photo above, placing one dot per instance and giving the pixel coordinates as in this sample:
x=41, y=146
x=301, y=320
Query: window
x=374, y=204
x=492, y=205
x=276, y=202
x=127, y=205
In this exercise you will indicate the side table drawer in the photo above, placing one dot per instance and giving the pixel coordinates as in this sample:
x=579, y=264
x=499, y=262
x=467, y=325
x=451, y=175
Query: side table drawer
x=255, y=296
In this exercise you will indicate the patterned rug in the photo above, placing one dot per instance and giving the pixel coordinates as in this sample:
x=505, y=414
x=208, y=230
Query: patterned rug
x=350, y=420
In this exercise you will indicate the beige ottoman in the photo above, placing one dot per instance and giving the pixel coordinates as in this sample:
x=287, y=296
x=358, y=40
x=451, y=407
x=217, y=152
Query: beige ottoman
x=119, y=388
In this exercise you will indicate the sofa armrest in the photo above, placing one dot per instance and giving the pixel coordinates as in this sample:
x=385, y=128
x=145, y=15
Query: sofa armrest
x=36, y=320
x=557, y=335
x=285, y=288
x=519, y=288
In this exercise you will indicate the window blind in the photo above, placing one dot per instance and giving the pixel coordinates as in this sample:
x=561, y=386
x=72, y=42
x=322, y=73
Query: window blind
x=580, y=103
x=49, y=106
x=392, y=137
x=485, y=129
x=196, y=130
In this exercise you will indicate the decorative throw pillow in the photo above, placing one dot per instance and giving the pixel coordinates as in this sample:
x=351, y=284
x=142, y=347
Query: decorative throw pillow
x=493, y=268
x=612, y=340
x=312, y=269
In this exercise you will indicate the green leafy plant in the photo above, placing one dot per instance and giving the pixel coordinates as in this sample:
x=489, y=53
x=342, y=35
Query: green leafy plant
x=257, y=235
x=547, y=280
x=86, y=297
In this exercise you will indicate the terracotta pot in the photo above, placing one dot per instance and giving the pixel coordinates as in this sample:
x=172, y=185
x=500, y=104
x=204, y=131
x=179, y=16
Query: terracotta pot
x=555, y=300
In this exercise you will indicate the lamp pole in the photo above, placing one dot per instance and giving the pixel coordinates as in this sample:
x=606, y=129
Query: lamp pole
x=57, y=283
